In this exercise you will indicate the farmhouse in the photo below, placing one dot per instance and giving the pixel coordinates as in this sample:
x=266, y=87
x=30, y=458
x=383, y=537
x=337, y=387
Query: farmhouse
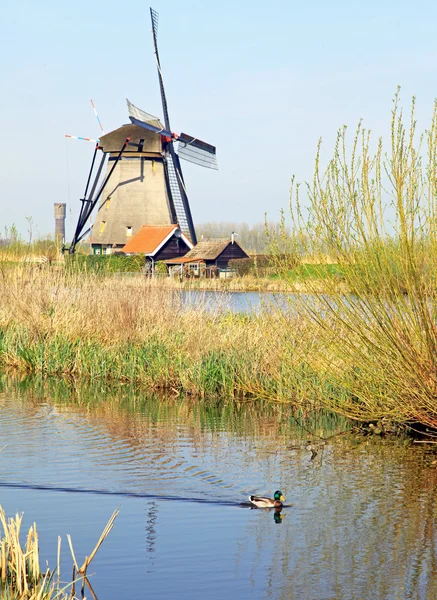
x=209, y=258
x=158, y=243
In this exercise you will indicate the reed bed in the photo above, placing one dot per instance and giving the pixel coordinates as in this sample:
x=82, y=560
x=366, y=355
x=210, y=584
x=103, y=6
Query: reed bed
x=112, y=330
x=21, y=577
x=123, y=330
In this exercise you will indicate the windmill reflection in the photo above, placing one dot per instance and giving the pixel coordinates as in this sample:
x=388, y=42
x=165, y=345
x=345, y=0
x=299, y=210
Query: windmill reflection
x=152, y=516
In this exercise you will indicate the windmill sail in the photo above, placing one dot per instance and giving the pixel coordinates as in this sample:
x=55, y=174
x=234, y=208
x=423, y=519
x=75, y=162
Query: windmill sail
x=174, y=175
x=154, y=16
x=144, y=117
x=189, y=148
x=196, y=151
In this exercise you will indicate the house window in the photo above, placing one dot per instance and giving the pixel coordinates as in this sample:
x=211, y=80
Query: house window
x=102, y=226
x=128, y=231
x=108, y=203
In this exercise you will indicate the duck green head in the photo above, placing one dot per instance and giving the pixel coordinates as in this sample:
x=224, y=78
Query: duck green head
x=278, y=496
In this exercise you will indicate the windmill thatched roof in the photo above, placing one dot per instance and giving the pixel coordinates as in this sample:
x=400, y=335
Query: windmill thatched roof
x=114, y=140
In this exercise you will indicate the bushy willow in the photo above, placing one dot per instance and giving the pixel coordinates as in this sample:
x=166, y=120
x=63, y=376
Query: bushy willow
x=374, y=213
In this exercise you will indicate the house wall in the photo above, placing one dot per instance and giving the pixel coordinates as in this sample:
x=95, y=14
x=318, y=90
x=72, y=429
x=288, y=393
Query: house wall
x=232, y=251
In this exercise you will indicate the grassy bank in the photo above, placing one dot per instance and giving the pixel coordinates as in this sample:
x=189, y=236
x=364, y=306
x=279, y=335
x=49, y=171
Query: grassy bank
x=308, y=354
x=109, y=328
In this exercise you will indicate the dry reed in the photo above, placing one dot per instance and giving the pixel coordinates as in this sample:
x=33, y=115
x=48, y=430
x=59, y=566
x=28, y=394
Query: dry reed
x=20, y=573
x=105, y=327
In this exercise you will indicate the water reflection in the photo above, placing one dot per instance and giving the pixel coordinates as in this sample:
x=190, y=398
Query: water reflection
x=361, y=521
x=243, y=302
x=278, y=515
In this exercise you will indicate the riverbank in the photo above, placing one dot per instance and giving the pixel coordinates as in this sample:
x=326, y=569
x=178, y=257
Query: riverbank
x=125, y=330
x=309, y=274
x=234, y=284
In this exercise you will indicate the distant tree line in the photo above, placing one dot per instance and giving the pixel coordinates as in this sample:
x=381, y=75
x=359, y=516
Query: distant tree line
x=254, y=238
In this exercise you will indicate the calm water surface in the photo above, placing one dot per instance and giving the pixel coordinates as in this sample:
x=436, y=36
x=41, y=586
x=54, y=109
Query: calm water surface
x=361, y=520
x=237, y=301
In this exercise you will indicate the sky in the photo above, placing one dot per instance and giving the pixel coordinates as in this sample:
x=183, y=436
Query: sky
x=262, y=81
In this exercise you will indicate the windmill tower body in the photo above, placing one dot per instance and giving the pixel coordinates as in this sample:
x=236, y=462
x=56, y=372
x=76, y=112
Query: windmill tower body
x=136, y=193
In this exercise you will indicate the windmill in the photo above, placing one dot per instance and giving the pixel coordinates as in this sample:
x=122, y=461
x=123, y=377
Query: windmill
x=144, y=184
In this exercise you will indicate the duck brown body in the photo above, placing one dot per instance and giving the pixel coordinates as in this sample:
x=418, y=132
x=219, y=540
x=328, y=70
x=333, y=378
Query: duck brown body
x=263, y=502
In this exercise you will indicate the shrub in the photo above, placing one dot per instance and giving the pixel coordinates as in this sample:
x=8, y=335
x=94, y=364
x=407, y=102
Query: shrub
x=107, y=263
x=261, y=265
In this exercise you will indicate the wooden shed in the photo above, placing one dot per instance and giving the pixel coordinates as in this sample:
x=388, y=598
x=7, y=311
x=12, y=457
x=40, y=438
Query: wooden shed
x=209, y=257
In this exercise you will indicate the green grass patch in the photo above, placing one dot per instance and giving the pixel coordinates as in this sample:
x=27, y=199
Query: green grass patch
x=306, y=271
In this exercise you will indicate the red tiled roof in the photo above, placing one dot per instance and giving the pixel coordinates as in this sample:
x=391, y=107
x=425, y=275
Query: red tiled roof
x=148, y=238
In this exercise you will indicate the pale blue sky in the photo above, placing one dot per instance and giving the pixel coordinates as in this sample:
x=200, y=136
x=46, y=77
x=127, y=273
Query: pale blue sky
x=260, y=80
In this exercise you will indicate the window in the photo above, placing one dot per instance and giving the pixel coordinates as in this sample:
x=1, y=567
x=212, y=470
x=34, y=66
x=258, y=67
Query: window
x=102, y=226
x=128, y=231
x=108, y=203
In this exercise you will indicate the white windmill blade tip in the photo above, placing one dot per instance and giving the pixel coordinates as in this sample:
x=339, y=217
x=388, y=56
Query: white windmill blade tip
x=78, y=137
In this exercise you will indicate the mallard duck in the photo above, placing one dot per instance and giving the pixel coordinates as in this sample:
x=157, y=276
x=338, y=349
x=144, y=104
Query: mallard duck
x=261, y=502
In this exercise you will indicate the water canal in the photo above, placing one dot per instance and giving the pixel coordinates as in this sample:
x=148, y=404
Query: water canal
x=361, y=519
x=243, y=302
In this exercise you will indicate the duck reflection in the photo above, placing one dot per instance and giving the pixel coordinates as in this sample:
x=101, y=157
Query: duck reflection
x=278, y=516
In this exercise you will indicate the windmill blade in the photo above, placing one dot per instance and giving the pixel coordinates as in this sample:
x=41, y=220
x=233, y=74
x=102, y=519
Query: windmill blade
x=97, y=117
x=178, y=195
x=190, y=148
x=144, y=117
x=197, y=152
x=77, y=137
x=149, y=127
x=154, y=16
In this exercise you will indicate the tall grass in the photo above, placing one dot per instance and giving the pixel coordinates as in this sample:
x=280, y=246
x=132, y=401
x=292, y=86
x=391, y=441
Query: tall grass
x=375, y=211
x=17, y=250
x=124, y=330
x=21, y=577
